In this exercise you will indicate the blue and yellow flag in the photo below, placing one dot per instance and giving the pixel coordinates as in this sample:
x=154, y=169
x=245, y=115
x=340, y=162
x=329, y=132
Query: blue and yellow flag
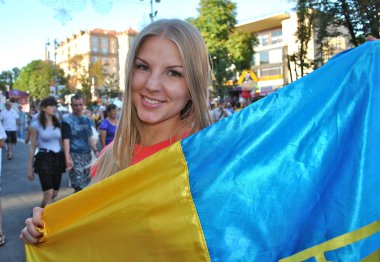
x=293, y=177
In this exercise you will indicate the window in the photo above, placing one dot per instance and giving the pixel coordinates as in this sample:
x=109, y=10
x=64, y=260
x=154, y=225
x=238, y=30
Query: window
x=94, y=44
x=263, y=39
x=264, y=57
x=104, y=45
x=275, y=56
x=272, y=71
x=276, y=36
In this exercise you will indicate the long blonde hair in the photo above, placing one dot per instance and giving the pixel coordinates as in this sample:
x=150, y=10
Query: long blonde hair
x=197, y=71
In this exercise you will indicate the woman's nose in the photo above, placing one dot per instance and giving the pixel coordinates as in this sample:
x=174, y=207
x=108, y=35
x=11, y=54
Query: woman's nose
x=153, y=83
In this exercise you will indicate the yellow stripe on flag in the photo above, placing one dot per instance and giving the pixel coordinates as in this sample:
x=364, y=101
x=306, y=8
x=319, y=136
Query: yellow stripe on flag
x=143, y=213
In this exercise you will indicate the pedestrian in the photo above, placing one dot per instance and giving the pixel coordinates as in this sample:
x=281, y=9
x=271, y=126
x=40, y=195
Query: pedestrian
x=11, y=123
x=77, y=144
x=23, y=123
x=3, y=136
x=107, y=128
x=165, y=99
x=32, y=116
x=49, y=163
x=220, y=111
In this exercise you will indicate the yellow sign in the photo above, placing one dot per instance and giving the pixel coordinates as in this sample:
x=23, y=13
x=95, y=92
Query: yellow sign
x=246, y=76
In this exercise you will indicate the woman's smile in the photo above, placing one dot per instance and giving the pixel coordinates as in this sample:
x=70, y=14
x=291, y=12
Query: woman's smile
x=150, y=102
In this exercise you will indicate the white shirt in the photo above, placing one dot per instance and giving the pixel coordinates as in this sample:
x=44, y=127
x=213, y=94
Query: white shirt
x=9, y=117
x=2, y=136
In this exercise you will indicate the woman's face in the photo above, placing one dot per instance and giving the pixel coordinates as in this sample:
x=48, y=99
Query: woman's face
x=159, y=88
x=113, y=113
x=50, y=110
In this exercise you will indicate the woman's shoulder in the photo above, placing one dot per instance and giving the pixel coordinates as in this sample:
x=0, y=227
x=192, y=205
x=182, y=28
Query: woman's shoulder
x=104, y=124
x=35, y=124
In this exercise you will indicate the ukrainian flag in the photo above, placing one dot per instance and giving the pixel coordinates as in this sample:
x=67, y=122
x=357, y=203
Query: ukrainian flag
x=293, y=177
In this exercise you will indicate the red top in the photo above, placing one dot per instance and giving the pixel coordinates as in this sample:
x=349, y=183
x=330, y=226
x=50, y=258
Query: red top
x=142, y=152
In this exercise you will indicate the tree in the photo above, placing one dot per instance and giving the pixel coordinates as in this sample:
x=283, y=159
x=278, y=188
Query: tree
x=360, y=17
x=216, y=22
x=7, y=78
x=36, y=78
x=305, y=25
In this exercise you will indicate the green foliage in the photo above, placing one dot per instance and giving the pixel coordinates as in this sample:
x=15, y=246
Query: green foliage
x=8, y=78
x=216, y=22
x=96, y=70
x=327, y=19
x=359, y=17
x=36, y=78
x=240, y=48
x=305, y=25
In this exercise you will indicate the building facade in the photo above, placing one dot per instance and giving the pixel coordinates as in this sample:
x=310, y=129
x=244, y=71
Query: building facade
x=105, y=50
x=271, y=64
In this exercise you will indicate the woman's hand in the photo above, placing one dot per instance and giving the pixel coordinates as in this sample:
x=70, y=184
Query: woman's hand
x=30, y=234
x=69, y=164
x=30, y=174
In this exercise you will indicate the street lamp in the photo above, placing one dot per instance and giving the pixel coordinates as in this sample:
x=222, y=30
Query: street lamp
x=47, y=58
x=153, y=13
x=47, y=53
x=55, y=68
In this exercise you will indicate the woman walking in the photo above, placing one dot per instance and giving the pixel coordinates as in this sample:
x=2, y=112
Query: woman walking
x=49, y=163
x=107, y=128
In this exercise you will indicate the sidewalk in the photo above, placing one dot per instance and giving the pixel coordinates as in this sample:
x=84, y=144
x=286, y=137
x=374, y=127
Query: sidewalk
x=18, y=197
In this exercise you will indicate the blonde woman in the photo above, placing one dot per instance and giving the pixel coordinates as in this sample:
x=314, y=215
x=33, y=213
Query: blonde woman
x=165, y=99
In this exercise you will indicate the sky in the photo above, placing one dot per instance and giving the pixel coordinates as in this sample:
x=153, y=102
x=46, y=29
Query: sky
x=27, y=25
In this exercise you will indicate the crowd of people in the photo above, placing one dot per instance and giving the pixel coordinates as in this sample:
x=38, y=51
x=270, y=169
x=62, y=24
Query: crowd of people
x=59, y=142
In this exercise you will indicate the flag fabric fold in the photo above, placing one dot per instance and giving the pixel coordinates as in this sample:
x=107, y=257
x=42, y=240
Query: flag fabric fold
x=293, y=177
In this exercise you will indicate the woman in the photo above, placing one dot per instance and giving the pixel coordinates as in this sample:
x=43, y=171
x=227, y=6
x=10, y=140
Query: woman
x=49, y=163
x=165, y=99
x=107, y=128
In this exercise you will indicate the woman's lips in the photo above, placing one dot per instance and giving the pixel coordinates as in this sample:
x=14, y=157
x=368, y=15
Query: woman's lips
x=151, y=102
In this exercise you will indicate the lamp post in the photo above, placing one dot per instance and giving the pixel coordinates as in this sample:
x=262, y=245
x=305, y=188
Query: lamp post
x=47, y=53
x=47, y=58
x=153, y=13
x=55, y=68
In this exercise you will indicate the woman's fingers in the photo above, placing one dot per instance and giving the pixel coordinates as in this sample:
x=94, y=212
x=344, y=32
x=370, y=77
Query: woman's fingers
x=29, y=233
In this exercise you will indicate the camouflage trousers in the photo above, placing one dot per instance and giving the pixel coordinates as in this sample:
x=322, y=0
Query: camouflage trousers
x=80, y=174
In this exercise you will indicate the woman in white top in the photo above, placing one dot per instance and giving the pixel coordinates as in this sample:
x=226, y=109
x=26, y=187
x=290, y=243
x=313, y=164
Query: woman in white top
x=49, y=163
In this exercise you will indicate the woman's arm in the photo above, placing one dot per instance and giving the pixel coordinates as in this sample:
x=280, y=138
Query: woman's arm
x=102, y=137
x=32, y=150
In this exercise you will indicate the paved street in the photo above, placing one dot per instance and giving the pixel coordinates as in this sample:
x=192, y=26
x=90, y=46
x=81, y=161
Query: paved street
x=18, y=197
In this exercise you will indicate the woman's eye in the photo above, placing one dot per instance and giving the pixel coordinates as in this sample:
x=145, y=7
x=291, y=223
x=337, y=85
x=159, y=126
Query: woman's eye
x=141, y=67
x=174, y=73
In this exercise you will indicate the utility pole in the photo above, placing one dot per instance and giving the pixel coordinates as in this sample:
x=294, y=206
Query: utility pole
x=153, y=13
x=47, y=58
x=47, y=53
x=55, y=68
